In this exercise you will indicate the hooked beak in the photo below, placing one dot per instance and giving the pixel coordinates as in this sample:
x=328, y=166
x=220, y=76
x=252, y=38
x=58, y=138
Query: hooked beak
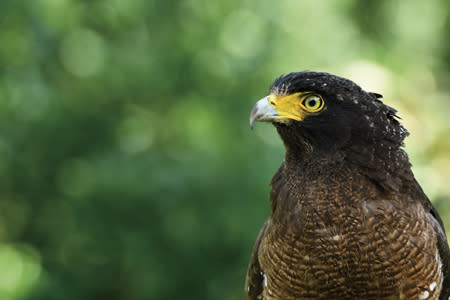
x=262, y=112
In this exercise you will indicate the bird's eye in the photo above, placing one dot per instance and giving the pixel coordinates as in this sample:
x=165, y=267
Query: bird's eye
x=313, y=103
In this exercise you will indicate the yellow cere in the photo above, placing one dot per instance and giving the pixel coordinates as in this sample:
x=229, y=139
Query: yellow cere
x=296, y=106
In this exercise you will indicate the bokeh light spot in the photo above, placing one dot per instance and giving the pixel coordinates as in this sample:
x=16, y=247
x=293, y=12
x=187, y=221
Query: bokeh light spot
x=370, y=76
x=83, y=52
x=19, y=269
x=11, y=267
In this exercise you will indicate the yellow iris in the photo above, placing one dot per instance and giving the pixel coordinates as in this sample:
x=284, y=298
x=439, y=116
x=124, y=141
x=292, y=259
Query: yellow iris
x=312, y=103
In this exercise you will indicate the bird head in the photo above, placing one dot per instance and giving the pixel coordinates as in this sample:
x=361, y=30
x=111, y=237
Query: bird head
x=322, y=112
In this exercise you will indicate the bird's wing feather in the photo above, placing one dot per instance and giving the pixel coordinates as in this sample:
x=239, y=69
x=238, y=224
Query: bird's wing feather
x=255, y=278
x=254, y=281
x=442, y=244
x=444, y=251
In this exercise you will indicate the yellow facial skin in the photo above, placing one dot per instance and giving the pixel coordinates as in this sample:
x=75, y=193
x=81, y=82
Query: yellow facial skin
x=296, y=106
x=284, y=108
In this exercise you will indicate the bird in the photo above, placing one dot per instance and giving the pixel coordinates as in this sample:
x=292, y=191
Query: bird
x=348, y=220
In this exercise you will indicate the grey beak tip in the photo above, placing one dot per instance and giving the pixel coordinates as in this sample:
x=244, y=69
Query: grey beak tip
x=262, y=111
x=253, y=116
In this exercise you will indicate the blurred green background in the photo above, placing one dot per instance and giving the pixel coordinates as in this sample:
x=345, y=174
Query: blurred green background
x=128, y=169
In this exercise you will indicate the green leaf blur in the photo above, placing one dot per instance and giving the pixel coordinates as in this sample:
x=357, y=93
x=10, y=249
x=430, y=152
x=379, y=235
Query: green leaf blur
x=127, y=166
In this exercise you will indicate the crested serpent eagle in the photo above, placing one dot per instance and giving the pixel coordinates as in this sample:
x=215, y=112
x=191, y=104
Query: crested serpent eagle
x=348, y=219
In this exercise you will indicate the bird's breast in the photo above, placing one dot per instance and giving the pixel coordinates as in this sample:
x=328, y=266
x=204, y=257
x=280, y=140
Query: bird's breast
x=360, y=250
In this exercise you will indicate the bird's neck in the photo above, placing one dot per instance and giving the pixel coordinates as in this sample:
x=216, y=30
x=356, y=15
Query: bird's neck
x=302, y=186
x=338, y=178
x=381, y=162
x=312, y=165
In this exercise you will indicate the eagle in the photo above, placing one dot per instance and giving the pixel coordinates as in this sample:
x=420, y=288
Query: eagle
x=348, y=219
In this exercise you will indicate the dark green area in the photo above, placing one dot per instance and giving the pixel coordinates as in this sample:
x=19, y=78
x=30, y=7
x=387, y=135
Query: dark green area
x=127, y=166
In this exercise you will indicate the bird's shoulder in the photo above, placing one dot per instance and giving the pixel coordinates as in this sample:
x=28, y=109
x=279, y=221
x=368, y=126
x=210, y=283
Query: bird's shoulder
x=255, y=277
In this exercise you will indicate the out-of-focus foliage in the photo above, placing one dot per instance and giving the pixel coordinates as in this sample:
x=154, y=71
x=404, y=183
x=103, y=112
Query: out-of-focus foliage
x=128, y=169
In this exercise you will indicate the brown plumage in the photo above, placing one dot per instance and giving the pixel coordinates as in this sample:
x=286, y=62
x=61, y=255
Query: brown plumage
x=348, y=219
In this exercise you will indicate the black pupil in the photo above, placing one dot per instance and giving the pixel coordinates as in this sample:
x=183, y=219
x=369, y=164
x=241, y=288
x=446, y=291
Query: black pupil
x=312, y=102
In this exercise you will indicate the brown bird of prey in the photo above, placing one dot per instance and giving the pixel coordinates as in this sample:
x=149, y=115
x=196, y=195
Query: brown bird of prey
x=348, y=219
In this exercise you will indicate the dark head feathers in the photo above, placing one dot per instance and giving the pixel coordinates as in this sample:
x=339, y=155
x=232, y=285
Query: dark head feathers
x=302, y=81
x=353, y=121
x=354, y=124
